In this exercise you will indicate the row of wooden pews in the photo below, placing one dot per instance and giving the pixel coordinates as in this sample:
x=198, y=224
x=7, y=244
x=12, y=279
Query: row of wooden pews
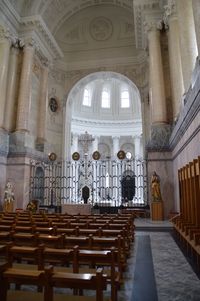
x=48, y=279
x=187, y=224
x=72, y=247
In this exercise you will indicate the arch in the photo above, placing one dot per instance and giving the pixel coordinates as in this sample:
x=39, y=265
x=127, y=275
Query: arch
x=68, y=100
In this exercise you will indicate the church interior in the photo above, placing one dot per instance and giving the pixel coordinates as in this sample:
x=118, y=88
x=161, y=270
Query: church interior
x=99, y=150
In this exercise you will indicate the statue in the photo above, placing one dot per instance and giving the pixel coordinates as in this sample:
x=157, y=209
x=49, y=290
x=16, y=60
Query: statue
x=155, y=188
x=8, y=205
x=32, y=206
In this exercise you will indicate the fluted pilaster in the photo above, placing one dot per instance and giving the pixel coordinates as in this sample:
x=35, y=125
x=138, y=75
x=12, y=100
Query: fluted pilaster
x=5, y=43
x=188, y=43
x=41, y=129
x=176, y=75
x=24, y=100
x=115, y=145
x=196, y=13
x=158, y=102
x=12, y=84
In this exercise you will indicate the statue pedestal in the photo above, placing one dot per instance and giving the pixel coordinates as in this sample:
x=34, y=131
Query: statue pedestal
x=157, y=212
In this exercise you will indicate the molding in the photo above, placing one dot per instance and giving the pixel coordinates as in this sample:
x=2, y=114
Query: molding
x=170, y=11
x=144, y=9
x=188, y=113
x=9, y=15
x=139, y=59
x=36, y=27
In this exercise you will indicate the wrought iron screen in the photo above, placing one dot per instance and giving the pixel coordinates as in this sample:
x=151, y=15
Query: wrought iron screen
x=56, y=183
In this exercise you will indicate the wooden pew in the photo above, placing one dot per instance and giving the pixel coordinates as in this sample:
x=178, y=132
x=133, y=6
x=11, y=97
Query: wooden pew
x=18, y=277
x=75, y=281
x=109, y=259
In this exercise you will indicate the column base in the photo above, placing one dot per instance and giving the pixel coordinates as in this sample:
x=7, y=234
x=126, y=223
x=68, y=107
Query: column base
x=160, y=134
x=19, y=141
x=40, y=144
x=4, y=142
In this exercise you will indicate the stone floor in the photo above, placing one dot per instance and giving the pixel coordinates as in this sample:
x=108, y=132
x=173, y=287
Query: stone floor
x=174, y=278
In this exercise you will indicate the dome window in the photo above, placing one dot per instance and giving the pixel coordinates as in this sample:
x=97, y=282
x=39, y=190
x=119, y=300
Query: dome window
x=87, y=97
x=125, y=100
x=105, y=100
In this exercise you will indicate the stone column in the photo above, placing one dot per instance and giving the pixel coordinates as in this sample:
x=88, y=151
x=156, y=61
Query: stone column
x=159, y=128
x=115, y=146
x=41, y=129
x=171, y=22
x=95, y=144
x=137, y=147
x=5, y=43
x=188, y=43
x=158, y=103
x=75, y=143
x=12, y=84
x=24, y=100
x=196, y=13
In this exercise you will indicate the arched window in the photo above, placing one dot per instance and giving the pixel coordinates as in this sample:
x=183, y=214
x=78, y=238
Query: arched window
x=125, y=100
x=87, y=97
x=105, y=99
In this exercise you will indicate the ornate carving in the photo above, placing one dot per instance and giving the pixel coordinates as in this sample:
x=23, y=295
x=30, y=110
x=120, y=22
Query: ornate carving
x=170, y=11
x=101, y=29
x=5, y=33
x=153, y=25
x=36, y=24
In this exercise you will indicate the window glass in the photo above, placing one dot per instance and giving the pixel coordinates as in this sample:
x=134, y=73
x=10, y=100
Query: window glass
x=87, y=98
x=105, y=100
x=125, y=101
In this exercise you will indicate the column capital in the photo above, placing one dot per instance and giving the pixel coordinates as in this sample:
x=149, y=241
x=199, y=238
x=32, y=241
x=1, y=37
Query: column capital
x=170, y=11
x=115, y=137
x=30, y=42
x=5, y=34
x=153, y=25
x=137, y=137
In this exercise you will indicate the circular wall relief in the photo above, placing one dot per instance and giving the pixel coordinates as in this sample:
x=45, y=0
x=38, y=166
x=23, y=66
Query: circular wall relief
x=53, y=104
x=101, y=29
x=121, y=154
x=75, y=156
x=96, y=155
x=52, y=156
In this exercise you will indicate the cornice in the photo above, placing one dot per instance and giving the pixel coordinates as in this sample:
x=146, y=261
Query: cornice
x=142, y=10
x=170, y=11
x=134, y=60
x=107, y=122
x=47, y=44
x=190, y=110
x=9, y=16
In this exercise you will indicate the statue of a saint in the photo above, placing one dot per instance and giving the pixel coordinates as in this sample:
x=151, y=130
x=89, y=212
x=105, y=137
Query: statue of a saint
x=155, y=188
x=8, y=205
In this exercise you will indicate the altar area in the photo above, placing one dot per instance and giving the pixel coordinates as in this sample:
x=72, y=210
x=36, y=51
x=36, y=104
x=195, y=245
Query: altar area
x=71, y=209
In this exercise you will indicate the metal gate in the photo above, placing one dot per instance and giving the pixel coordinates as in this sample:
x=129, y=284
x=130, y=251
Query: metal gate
x=56, y=183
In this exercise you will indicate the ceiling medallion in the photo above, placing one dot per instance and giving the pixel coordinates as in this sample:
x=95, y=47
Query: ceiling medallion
x=121, y=154
x=52, y=156
x=101, y=29
x=96, y=155
x=75, y=156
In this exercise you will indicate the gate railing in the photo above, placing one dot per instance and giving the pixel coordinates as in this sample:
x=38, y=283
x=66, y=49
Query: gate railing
x=57, y=183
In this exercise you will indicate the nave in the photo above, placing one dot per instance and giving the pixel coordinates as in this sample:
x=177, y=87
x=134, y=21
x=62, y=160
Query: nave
x=156, y=268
